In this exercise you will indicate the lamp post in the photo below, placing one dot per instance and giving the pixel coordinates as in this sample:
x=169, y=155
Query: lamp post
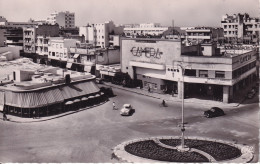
x=182, y=147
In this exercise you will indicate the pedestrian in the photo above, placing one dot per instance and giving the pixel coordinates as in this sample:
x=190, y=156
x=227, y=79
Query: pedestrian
x=34, y=115
x=163, y=103
x=114, y=106
x=4, y=116
x=149, y=89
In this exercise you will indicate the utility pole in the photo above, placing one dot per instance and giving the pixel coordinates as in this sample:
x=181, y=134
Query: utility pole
x=182, y=147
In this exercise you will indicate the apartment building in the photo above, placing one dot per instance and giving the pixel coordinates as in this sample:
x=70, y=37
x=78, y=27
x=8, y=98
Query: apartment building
x=203, y=34
x=30, y=35
x=14, y=36
x=58, y=50
x=241, y=28
x=98, y=33
x=143, y=29
x=64, y=19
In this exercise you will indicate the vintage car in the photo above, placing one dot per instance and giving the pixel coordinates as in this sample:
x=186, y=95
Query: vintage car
x=214, y=112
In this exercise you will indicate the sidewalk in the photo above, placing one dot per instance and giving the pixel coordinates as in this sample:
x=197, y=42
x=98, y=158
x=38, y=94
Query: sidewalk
x=168, y=97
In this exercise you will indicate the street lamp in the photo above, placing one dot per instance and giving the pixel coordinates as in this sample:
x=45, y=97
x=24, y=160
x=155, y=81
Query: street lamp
x=182, y=147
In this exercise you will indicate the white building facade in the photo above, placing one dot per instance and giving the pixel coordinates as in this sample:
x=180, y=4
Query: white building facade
x=58, y=48
x=98, y=33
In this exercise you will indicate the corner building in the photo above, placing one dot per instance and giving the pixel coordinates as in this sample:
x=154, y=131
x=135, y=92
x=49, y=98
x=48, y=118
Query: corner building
x=208, y=72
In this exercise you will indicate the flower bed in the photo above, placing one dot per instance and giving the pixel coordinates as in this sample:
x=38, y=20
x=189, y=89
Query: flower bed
x=217, y=150
x=149, y=149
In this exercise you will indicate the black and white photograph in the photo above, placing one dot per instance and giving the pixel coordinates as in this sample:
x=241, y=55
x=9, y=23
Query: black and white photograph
x=129, y=81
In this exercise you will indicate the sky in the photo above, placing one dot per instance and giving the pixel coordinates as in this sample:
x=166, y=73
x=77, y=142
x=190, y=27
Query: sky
x=184, y=12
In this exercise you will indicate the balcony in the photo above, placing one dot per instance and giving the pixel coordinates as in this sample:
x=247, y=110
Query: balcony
x=28, y=43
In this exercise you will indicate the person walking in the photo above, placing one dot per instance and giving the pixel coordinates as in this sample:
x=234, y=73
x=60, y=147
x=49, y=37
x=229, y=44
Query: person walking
x=4, y=116
x=149, y=89
x=163, y=103
x=114, y=106
x=34, y=114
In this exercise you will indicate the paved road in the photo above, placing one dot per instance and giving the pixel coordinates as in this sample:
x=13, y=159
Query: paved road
x=89, y=136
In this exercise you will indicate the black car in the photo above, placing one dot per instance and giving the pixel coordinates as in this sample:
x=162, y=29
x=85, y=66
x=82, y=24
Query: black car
x=214, y=112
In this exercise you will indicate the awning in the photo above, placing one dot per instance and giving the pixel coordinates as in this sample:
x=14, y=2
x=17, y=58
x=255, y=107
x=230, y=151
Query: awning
x=76, y=56
x=78, y=89
x=87, y=68
x=45, y=97
x=84, y=98
x=33, y=99
x=97, y=95
x=76, y=100
x=69, y=65
x=68, y=103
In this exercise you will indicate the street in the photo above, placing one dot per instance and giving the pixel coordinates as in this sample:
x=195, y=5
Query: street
x=90, y=135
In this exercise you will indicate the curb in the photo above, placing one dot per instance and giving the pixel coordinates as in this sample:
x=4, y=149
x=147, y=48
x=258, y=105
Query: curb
x=176, y=100
x=121, y=154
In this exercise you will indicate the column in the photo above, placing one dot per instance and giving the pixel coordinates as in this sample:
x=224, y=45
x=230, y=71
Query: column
x=225, y=94
x=231, y=93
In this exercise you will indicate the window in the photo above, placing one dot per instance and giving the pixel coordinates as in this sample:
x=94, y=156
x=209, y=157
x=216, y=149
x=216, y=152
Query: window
x=189, y=72
x=145, y=84
x=220, y=74
x=155, y=86
x=203, y=73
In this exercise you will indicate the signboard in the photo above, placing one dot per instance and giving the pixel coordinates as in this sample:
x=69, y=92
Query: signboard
x=148, y=52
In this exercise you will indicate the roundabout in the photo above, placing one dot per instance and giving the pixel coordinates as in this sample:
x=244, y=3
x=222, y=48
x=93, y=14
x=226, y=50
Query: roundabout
x=167, y=149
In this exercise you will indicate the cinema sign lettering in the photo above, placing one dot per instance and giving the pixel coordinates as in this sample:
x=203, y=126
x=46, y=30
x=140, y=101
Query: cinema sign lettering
x=245, y=58
x=148, y=52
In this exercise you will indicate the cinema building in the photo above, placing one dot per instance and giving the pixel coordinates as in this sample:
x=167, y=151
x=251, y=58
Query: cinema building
x=159, y=64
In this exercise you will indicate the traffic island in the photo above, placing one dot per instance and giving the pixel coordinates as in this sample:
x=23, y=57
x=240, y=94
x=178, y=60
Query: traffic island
x=166, y=149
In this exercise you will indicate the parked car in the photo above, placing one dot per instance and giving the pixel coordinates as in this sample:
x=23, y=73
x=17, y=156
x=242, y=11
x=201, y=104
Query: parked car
x=126, y=110
x=214, y=112
x=107, y=91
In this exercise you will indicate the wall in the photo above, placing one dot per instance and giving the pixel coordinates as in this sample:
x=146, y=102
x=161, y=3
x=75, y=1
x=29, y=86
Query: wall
x=49, y=30
x=15, y=51
x=151, y=51
x=208, y=49
x=110, y=56
x=60, y=19
x=2, y=37
x=22, y=75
